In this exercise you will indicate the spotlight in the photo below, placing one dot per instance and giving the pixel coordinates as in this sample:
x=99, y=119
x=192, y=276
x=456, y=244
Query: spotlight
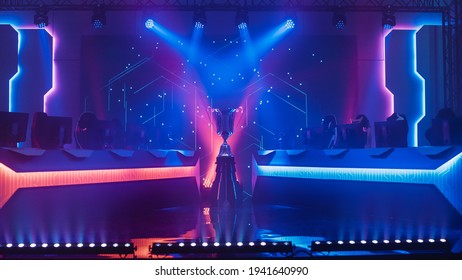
x=388, y=18
x=41, y=17
x=98, y=18
x=339, y=19
x=199, y=18
x=149, y=24
x=242, y=18
x=290, y=24
x=291, y=16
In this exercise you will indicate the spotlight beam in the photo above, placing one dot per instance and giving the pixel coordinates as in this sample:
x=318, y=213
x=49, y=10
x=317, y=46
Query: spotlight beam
x=272, y=38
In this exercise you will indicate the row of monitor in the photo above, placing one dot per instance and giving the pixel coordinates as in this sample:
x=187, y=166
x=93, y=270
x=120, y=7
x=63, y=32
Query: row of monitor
x=387, y=134
x=47, y=132
x=51, y=132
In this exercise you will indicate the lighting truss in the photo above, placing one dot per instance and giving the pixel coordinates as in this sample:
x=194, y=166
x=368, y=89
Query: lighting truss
x=192, y=247
x=262, y=5
x=119, y=248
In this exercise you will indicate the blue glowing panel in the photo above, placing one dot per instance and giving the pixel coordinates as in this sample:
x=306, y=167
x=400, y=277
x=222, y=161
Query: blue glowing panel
x=35, y=76
x=403, y=80
x=447, y=177
x=8, y=62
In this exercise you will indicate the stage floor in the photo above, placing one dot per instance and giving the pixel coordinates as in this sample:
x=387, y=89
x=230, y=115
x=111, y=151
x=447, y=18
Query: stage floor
x=146, y=215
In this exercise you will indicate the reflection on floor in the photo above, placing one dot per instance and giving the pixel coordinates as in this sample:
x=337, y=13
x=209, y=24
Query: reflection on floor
x=146, y=216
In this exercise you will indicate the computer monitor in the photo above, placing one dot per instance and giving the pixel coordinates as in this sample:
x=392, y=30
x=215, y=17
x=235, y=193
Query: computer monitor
x=445, y=132
x=391, y=134
x=13, y=127
x=50, y=132
x=314, y=137
x=60, y=130
x=351, y=136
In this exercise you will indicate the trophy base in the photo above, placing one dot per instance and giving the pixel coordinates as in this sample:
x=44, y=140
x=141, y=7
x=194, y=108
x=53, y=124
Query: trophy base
x=225, y=150
x=226, y=190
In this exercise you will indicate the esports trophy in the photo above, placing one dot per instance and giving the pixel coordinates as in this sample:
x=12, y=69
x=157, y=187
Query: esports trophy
x=226, y=190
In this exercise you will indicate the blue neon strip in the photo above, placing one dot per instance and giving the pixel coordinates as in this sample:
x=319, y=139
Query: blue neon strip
x=447, y=177
x=422, y=94
x=417, y=176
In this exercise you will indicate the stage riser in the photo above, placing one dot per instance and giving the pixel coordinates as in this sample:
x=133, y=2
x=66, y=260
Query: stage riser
x=354, y=199
x=438, y=167
x=33, y=168
x=101, y=212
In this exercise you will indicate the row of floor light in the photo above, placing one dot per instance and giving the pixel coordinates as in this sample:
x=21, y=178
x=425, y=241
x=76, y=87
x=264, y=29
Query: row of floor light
x=192, y=247
x=67, y=248
x=370, y=245
x=57, y=245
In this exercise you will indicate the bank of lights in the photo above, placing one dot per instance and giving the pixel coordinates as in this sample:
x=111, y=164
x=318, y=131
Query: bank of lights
x=202, y=247
x=420, y=244
x=121, y=248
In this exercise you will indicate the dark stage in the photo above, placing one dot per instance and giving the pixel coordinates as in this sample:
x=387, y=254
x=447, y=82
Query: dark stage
x=400, y=212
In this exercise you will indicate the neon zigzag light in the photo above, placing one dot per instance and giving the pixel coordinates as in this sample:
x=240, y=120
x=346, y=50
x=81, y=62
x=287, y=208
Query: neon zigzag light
x=18, y=73
x=12, y=181
x=421, y=102
x=53, y=74
x=447, y=178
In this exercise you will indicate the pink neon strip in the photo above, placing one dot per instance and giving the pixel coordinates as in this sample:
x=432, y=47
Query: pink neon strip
x=10, y=180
